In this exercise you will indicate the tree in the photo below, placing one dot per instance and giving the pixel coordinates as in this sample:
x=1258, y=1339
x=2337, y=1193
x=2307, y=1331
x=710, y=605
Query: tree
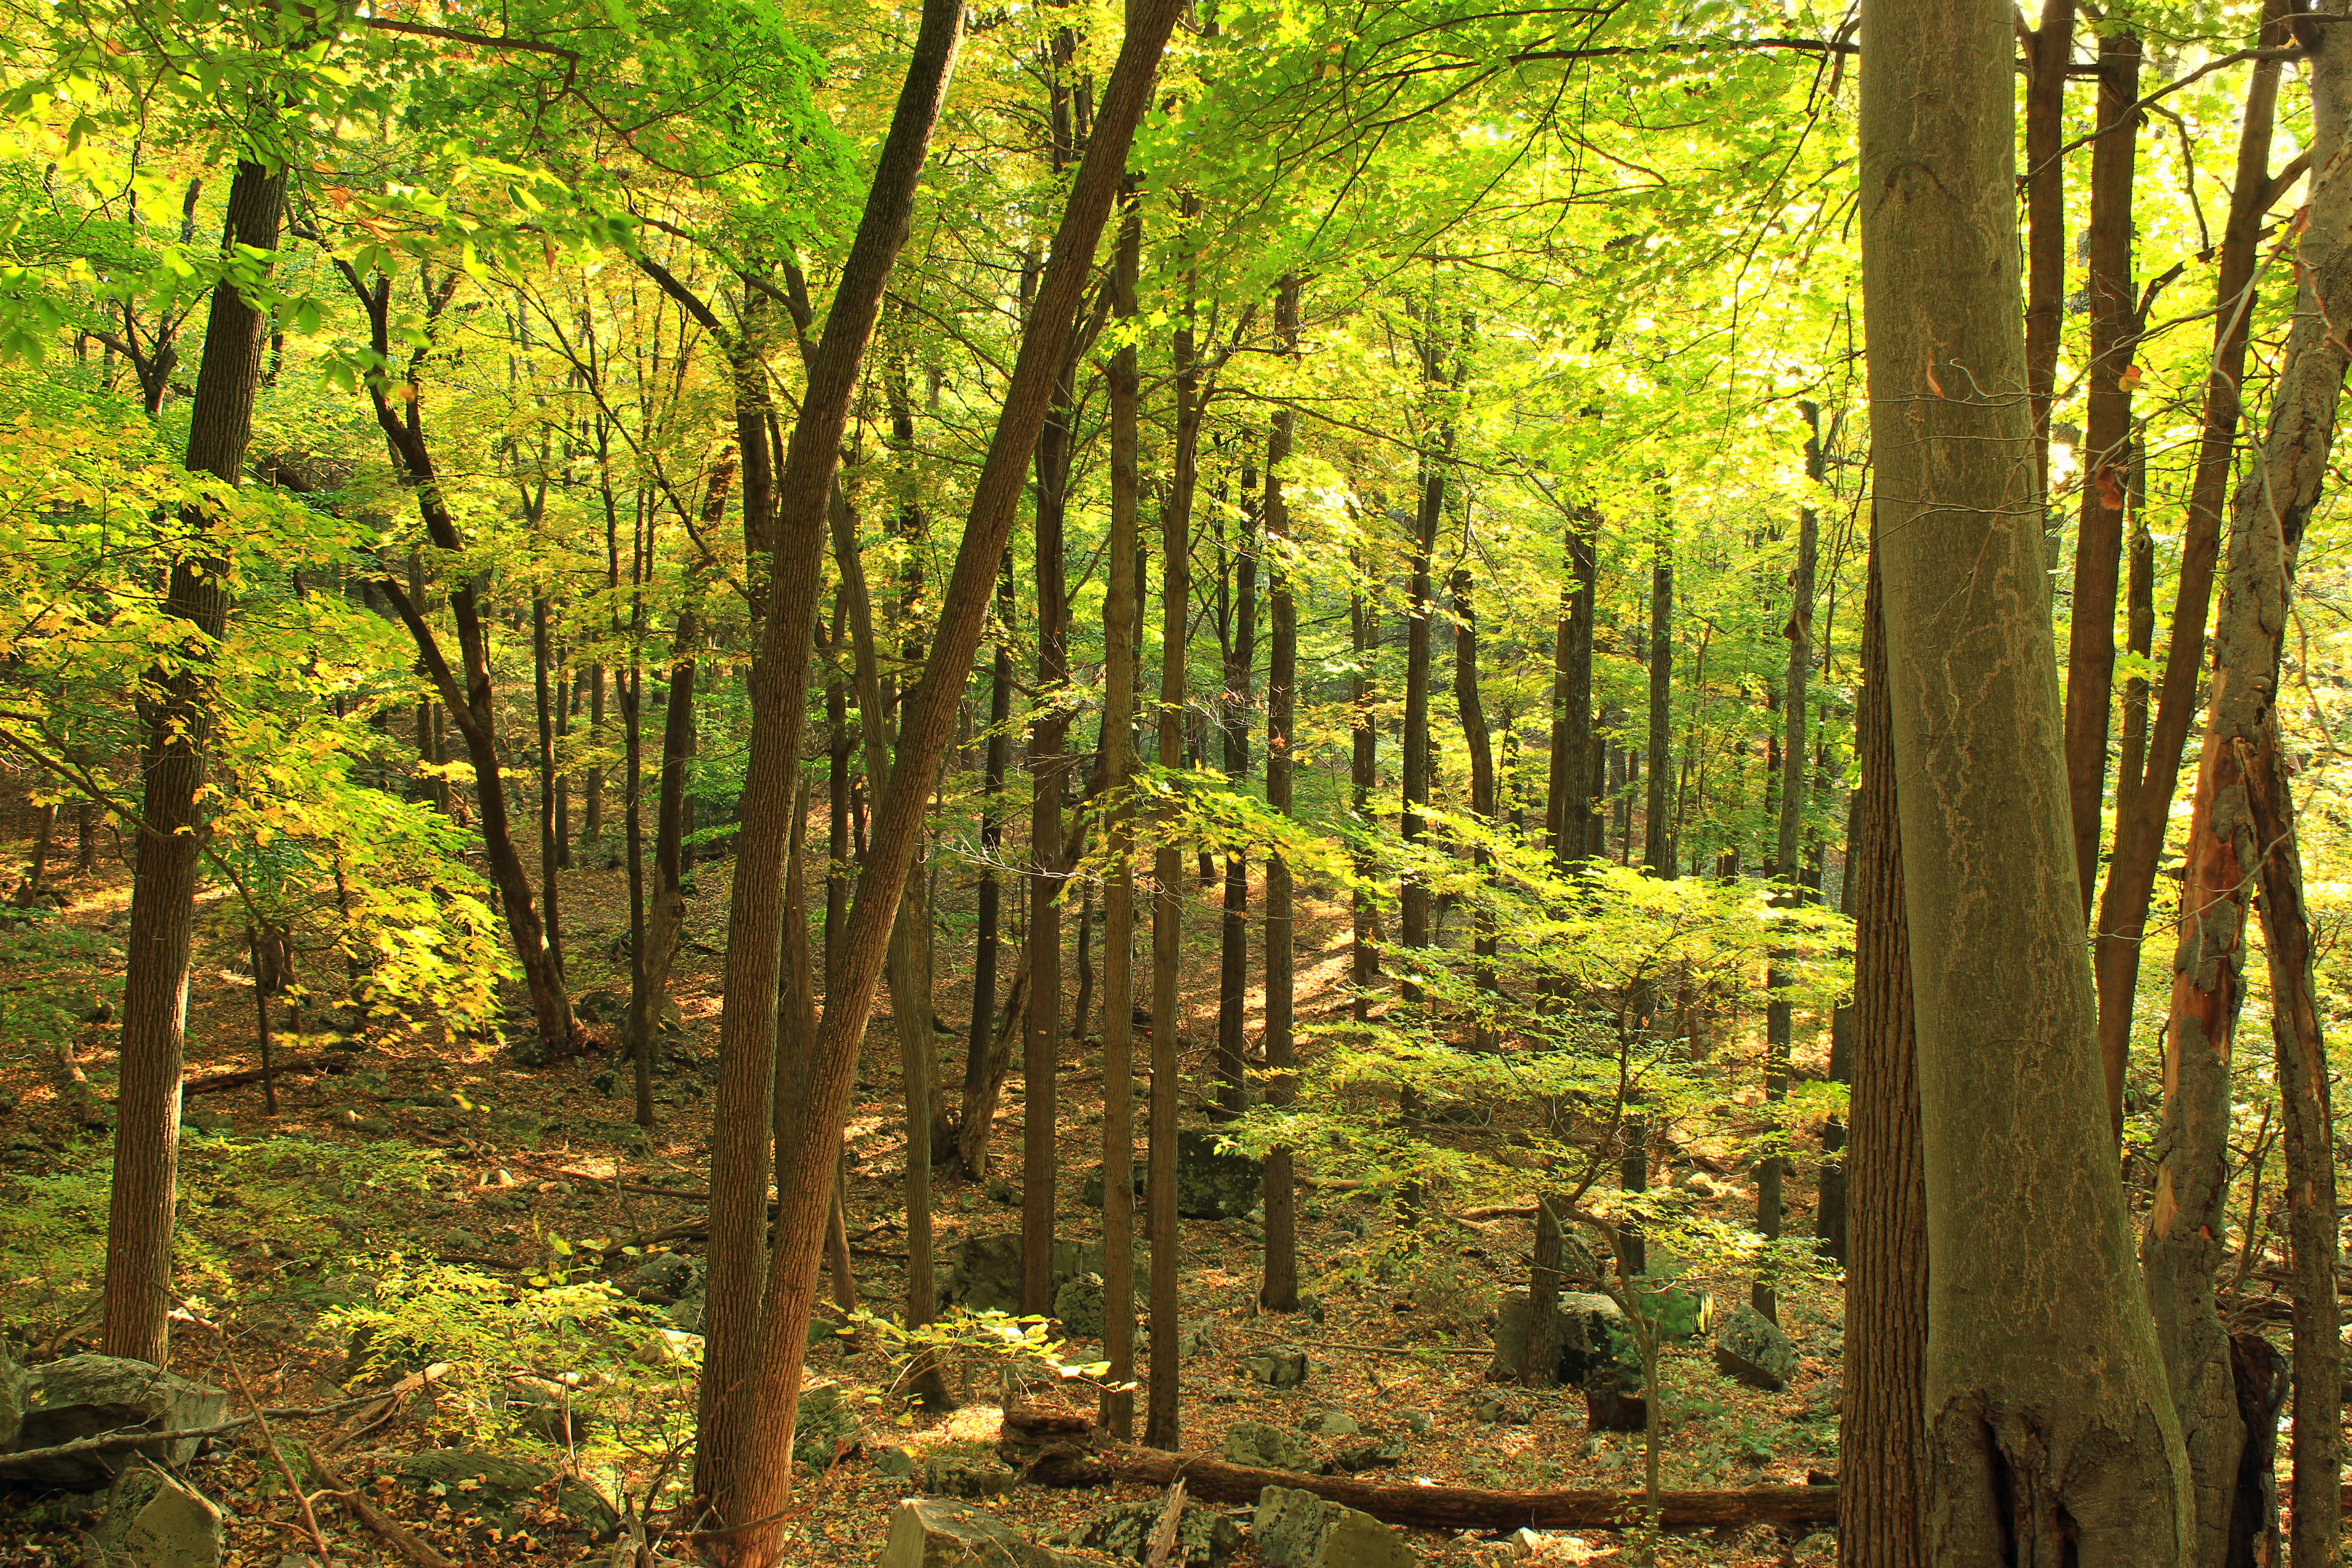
x=2028, y=1441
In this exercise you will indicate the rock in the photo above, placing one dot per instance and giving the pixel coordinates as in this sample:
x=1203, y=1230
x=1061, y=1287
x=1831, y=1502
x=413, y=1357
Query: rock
x=1377, y=1454
x=1752, y=1349
x=1820, y=1547
x=1419, y=1424
x=460, y=1241
x=1197, y=1338
x=984, y=1271
x=1002, y=1191
x=662, y=1279
x=968, y=1476
x=929, y=1532
x=153, y=1522
x=1829, y=1399
x=1501, y=1411
x=508, y=1492
x=84, y=1396
x=1334, y=1423
x=1277, y=1369
x=1262, y=1447
x=551, y=1412
x=826, y=1427
x=606, y=1083
x=1299, y=1530
x=1078, y=1304
x=893, y=1462
x=1209, y=1185
x=1591, y=1336
x=1203, y=1536
x=12, y=1400
x=602, y=1005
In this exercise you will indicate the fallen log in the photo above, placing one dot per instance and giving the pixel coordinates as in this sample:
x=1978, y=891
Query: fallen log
x=213, y=1083
x=1437, y=1507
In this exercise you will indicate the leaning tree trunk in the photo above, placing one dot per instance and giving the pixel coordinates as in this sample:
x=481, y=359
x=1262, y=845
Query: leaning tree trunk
x=2239, y=774
x=1881, y=1477
x=2140, y=831
x=761, y=1401
x=2050, y=1434
x=176, y=711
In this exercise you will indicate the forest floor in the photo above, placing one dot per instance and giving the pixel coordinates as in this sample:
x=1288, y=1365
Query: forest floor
x=434, y=1191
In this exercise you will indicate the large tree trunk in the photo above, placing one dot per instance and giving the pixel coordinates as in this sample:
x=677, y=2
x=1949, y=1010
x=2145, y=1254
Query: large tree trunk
x=2139, y=832
x=2106, y=452
x=1279, y=1291
x=176, y=713
x=1161, y=1426
x=2049, y=1433
x=758, y=1393
x=1882, y=1491
x=2227, y=854
x=744, y=1418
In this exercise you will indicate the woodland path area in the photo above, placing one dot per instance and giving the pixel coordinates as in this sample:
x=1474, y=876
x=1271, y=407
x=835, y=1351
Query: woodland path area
x=444, y=1150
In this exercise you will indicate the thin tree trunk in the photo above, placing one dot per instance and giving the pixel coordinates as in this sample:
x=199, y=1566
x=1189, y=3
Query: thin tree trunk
x=2036, y=1450
x=2140, y=835
x=591, y=789
x=1278, y=1289
x=550, y=834
x=1048, y=729
x=978, y=1078
x=1123, y=612
x=1479, y=743
x=2106, y=452
x=2049, y=51
x=1161, y=1427
x=1576, y=825
x=749, y=1383
x=1363, y=743
x=2227, y=855
x=1882, y=1478
x=176, y=716
x=1779, y=1014
x=1233, y=710
x=1657, y=848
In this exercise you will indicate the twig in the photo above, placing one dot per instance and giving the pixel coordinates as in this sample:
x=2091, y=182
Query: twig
x=269, y=1440
x=119, y=1442
x=374, y=1517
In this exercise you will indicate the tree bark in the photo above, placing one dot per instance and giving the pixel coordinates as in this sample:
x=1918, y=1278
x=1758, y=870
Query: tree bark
x=759, y=1392
x=1657, y=844
x=1279, y=1290
x=1233, y=710
x=2035, y=1447
x=176, y=715
x=979, y=1070
x=2049, y=51
x=1476, y=740
x=550, y=834
x=744, y=1417
x=2227, y=854
x=2106, y=452
x=1363, y=750
x=1572, y=818
x=1882, y=1490
x=2139, y=834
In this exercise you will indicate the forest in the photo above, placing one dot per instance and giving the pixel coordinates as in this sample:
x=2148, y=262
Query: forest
x=1199, y=783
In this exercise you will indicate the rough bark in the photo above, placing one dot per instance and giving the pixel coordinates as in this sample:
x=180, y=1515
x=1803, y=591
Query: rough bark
x=2049, y=51
x=1234, y=713
x=1363, y=743
x=1658, y=843
x=2228, y=855
x=760, y=1390
x=1049, y=731
x=980, y=1071
x=1882, y=1493
x=176, y=716
x=2050, y=1434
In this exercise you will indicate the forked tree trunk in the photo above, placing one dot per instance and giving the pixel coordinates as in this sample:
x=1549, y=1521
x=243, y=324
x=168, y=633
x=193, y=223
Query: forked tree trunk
x=176, y=715
x=2241, y=779
x=744, y=1413
x=2050, y=1434
x=1882, y=1482
x=758, y=1393
x=2139, y=833
x=1278, y=1289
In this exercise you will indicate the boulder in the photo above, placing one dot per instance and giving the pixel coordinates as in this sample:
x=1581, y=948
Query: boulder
x=1204, y=1537
x=826, y=1427
x=1262, y=1447
x=968, y=1476
x=153, y=1522
x=662, y=1279
x=1299, y=1530
x=1078, y=1304
x=84, y=1396
x=1210, y=1184
x=1336, y=1424
x=12, y=1400
x=983, y=1272
x=929, y=1532
x=500, y=1489
x=1284, y=1368
x=1591, y=1334
x=1750, y=1348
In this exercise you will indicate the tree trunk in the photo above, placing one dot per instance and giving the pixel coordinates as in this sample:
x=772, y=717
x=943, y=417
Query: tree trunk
x=551, y=826
x=2106, y=452
x=176, y=715
x=759, y=1401
x=1233, y=935
x=2227, y=854
x=1882, y=1480
x=1363, y=751
x=1161, y=1426
x=1576, y=825
x=2049, y=51
x=1479, y=743
x=1279, y=1290
x=2139, y=834
x=1780, y=1025
x=978, y=1074
x=744, y=1418
x=2036, y=1448
x=592, y=788
x=1657, y=846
